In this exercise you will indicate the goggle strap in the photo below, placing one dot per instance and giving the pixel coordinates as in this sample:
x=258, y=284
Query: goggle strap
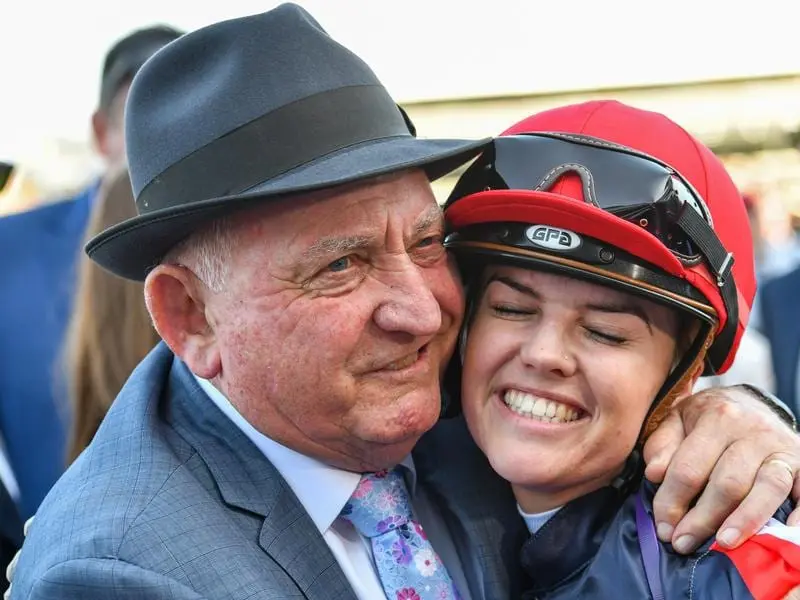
x=721, y=262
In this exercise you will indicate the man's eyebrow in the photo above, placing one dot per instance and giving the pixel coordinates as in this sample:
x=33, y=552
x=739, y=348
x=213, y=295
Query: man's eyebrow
x=622, y=307
x=427, y=220
x=336, y=246
x=340, y=246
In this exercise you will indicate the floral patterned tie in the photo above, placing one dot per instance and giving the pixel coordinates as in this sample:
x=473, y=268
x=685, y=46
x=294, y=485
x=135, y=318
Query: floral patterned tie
x=408, y=567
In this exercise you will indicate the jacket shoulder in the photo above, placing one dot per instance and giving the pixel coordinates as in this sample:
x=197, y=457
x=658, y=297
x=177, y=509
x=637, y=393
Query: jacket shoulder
x=21, y=223
x=709, y=571
x=605, y=554
x=92, y=508
x=144, y=498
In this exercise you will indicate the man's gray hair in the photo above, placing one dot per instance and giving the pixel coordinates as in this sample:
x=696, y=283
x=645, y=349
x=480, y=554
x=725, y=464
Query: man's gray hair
x=207, y=252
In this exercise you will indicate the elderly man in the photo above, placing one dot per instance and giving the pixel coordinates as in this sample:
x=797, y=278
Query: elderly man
x=292, y=254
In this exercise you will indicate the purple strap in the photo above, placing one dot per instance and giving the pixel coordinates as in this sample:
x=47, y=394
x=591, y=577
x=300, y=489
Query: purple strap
x=649, y=547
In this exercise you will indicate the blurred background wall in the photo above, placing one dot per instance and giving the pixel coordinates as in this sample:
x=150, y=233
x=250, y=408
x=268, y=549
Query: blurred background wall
x=730, y=74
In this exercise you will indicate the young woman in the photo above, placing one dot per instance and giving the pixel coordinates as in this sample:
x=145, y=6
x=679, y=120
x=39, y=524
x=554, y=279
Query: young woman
x=608, y=264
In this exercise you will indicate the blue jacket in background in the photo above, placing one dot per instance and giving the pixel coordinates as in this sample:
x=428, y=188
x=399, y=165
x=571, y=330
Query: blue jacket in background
x=779, y=301
x=38, y=253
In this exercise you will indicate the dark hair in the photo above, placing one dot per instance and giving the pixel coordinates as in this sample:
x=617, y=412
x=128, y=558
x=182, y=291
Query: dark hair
x=127, y=56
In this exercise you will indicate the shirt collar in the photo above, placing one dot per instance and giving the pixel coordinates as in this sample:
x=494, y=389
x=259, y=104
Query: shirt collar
x=307, y=476
x=535, y=521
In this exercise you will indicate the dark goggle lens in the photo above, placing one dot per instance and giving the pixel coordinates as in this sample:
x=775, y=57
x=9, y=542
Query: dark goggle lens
x=633, y=187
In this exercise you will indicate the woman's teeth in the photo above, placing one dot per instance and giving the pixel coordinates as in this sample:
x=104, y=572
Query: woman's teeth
x=533, y=407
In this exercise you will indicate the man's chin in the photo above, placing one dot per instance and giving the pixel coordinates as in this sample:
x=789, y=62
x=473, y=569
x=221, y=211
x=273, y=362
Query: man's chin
x=389, y=451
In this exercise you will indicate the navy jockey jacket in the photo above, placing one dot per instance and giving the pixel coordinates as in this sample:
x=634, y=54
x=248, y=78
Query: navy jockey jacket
x=590, y=549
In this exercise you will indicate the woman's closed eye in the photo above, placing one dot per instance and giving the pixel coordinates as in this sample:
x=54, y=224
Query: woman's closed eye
x=510, y=311
x=605, y=337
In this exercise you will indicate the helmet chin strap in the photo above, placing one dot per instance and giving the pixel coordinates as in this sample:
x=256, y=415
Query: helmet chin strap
x=690, y=365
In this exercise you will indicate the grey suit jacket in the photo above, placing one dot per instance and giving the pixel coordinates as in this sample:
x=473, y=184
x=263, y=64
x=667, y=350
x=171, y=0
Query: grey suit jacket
x=171, y=500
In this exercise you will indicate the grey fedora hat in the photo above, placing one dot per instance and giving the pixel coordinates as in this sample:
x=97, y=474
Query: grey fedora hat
x=249, y=110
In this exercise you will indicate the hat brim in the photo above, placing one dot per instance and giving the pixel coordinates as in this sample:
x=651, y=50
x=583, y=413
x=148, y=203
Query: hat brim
x=547, y=208
x=555, y=210
x=132, y=248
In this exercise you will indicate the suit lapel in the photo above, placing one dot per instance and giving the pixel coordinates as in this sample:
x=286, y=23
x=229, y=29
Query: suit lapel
x=248, y=481
x=478, y=508
x=291, y=539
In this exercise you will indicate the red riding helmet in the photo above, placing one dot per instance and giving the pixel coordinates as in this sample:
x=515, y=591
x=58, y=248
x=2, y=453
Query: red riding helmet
x=621, y=196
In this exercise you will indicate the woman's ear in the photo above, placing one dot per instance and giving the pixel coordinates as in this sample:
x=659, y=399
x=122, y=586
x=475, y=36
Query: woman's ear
x=176, y=300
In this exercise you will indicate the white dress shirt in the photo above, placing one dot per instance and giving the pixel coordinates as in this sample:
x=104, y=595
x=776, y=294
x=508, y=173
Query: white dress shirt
x=323, y=491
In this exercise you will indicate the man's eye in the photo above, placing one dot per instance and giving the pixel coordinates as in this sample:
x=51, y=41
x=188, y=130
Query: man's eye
x=340, y=264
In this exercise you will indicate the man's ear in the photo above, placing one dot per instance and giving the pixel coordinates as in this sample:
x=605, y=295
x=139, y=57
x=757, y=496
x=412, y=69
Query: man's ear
x=99, y=130
x=176, y=300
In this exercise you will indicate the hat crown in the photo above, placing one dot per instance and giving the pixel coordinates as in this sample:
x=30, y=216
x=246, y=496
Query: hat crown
x=218, y=78
x=251, y=110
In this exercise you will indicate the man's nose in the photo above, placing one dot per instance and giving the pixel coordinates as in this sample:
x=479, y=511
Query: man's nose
x=410, y=305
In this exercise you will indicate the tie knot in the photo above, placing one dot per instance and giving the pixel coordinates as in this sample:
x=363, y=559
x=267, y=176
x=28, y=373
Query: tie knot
x=380, y=503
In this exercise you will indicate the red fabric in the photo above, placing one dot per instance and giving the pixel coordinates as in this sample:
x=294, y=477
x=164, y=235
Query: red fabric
x=769, y=565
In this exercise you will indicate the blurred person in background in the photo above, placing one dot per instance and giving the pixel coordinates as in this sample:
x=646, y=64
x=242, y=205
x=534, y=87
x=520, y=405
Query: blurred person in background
x=38, y=285
x=751, y=203
x=780, y=257
x=110, y=330
x=780, y=322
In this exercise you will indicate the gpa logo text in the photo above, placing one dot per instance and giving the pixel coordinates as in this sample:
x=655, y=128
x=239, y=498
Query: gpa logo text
x=553, y=238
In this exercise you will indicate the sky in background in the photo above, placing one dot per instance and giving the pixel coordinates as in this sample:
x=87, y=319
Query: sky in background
x=52, y=51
